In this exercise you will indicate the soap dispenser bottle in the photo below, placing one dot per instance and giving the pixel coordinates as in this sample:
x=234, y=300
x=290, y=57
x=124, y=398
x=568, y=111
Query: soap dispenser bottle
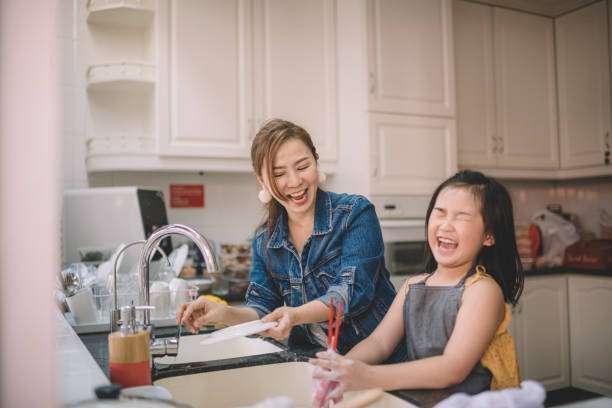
x=128, y=351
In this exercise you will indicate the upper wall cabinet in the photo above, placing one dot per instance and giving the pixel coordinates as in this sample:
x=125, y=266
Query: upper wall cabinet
x=234, y=64
x=186, y=84
x=410, y=57
x=506, y=100
x=584, y=87
x=410, y=154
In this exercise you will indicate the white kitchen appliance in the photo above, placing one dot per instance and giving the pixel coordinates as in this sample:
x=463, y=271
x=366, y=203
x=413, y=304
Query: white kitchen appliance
x=402, y=221
x=108, y=216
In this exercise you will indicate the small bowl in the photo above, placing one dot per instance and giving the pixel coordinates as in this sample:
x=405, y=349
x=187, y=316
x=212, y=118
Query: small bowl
x=203, y=284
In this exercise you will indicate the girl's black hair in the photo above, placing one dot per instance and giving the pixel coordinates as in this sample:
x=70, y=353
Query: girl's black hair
x=501, y=260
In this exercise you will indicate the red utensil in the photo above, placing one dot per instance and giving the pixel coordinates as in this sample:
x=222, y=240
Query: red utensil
x=331, y=320
x=335, y=345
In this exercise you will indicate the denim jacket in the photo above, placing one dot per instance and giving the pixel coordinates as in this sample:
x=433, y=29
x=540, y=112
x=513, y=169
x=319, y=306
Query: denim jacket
x=343, y=258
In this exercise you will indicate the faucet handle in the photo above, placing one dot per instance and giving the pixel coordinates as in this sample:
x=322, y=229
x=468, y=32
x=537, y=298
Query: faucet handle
x=129, y=324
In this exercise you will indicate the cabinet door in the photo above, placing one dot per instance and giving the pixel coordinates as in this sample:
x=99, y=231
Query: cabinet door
x=473, y=25
x=410, y=154
x=411, y=57
x=584, y=85
x=207, y=67
x=590, y=300
x=295, y=67
x=540, y=331
x=525, y=90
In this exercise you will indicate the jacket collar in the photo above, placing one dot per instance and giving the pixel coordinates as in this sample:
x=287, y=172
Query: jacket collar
x=322, y=221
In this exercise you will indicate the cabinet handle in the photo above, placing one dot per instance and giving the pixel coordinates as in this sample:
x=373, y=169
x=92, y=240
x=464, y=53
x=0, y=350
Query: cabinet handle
x=375, y=171
x=372, y=83
x=501, y=145
x=494, y=149
x=607, y=152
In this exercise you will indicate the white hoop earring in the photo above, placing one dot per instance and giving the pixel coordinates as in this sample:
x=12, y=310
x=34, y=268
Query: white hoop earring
x=264, y=196
x=321, y=177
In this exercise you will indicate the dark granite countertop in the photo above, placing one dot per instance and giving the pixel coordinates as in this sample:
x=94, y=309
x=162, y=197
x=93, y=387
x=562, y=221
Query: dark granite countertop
x=565, y=270
x=97, y=344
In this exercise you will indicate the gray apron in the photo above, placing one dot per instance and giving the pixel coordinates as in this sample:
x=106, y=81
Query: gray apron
x=429, y=318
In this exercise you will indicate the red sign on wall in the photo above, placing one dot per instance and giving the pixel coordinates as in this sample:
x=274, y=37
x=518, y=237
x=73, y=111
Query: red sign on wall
x=186, y=195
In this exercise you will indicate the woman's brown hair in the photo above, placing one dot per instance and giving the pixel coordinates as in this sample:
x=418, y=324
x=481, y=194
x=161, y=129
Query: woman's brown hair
x=272, y=135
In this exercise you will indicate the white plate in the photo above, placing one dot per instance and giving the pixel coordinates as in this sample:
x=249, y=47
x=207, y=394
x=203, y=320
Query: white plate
x=239, y=330
x=177, y=258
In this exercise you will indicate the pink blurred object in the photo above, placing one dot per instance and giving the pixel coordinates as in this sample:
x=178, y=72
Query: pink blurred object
x=324, y=387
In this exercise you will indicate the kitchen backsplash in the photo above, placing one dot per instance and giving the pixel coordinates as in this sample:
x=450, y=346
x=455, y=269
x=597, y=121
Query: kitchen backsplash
x=231, y=209
x=583, y=197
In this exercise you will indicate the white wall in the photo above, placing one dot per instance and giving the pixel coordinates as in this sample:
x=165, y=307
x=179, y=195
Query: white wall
x=30, y=150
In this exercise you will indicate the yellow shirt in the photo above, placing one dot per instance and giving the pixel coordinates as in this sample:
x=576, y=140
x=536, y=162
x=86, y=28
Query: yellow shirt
x=500, y=355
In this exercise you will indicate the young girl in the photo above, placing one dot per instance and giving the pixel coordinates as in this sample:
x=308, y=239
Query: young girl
x=454, y=317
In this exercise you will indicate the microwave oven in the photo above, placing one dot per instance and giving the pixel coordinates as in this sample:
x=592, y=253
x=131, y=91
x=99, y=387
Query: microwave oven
x=402, y=222
x=106, y=217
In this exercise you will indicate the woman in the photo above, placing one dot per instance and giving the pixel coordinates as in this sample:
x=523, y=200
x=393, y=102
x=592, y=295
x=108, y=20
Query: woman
x=314, y=245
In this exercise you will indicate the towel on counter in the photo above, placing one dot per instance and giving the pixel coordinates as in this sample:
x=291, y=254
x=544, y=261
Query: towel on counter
x=531, y=394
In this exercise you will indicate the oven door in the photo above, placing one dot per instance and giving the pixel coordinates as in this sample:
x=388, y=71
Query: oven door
x=405, y=258
x=404, y=245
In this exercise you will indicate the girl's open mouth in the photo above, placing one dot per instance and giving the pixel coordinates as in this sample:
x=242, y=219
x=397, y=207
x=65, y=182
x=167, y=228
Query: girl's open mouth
x=446, y=244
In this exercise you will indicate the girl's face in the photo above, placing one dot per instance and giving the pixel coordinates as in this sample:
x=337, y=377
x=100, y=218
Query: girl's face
x=456, y=230
x=295, y=173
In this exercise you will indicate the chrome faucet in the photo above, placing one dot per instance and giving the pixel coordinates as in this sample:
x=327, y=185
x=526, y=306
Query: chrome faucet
x=116, y=312
x=149, y=247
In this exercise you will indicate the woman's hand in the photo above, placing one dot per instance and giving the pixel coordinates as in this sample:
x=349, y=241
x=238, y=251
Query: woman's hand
x=286, y=318
x=352, y=374
x=199, y=312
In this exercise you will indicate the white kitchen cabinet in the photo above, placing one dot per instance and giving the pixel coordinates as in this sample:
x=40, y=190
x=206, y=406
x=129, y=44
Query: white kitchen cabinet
x=234, y=64
x=539, y=327
x=590, y=301
x=187, y=84
x=410, y=154
x=584, y=86
x=473, y=24
x=410, y=53
x=506, y=95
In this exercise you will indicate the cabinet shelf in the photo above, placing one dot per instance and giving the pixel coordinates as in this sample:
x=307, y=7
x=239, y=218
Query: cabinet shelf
x=120, y=75
x=123, y=144
x=131, y=13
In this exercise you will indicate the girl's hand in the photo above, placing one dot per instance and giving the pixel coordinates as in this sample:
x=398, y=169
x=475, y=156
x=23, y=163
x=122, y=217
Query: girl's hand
x=286, y=318
x=200, y=312
x=352, y=374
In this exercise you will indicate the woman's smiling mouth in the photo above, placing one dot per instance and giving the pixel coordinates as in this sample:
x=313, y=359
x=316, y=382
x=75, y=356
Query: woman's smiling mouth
x=299, y=197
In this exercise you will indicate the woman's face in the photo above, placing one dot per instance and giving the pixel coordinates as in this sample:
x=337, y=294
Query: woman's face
x=295, y=173
x=456, y=230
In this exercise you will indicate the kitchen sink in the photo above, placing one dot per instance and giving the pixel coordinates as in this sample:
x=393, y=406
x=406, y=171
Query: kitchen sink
x=190, y=349
x=247, y=386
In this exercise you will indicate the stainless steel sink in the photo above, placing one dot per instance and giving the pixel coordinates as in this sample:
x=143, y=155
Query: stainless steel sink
x=190, y=349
